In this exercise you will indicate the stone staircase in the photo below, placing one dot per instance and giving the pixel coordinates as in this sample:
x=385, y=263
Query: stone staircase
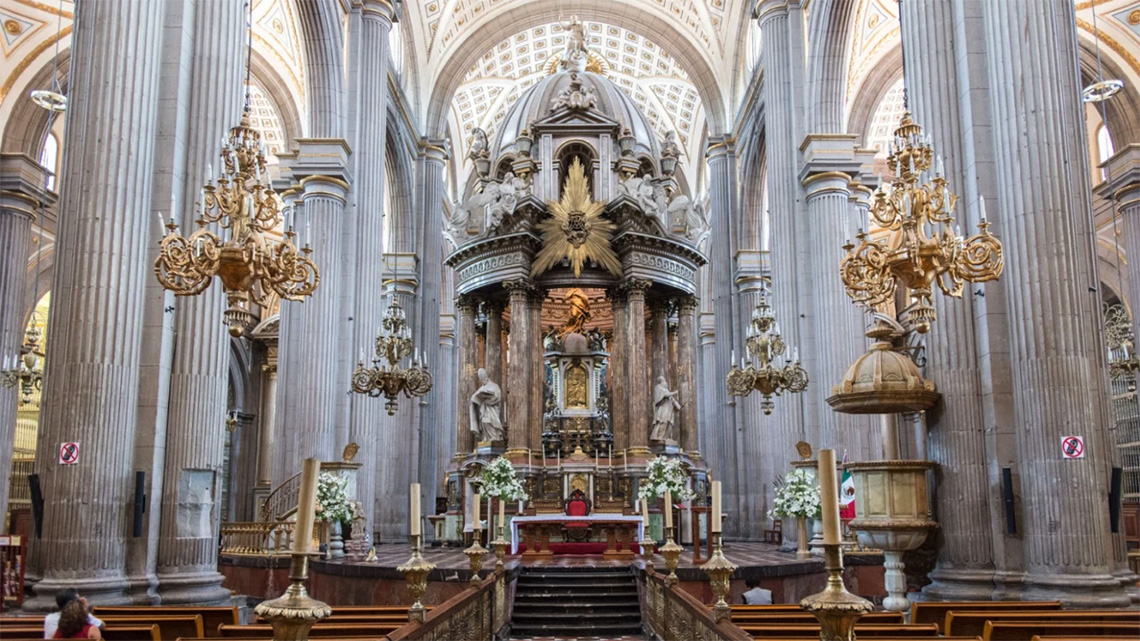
x=576, y=602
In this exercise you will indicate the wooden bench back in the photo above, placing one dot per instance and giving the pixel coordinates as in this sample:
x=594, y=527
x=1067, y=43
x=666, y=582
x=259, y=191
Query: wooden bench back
x=372, y=637
x=935, y=611
x=927, y=638
x=809, y=631
x=21, y=622
x=1038, y=637
x=975, y=622
x=322, y=630
x=18, y=633
x=383, y=619
x=739, y=618
x=1021, y=630
x=170, y=627
x=370, y=609
x=212, y=617
x=775, y=607
x=132, y=633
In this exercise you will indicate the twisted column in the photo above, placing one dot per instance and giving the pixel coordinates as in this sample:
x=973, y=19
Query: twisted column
x=637, y=373
x=956, y=437
x=519, y=369
x=92, y=381
x=1056, y=352
x=22, y=189
x=195, y=437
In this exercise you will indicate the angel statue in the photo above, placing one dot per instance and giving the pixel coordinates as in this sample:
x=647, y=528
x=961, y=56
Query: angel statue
x=508, y=193
x=576, y=53
x=650, y=197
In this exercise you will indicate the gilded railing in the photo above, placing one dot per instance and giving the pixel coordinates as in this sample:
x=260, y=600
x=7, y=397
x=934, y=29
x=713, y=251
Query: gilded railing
x=257, y=538
x=478, y=614
x=672, y=614
x=19, y=492
x=282, y=501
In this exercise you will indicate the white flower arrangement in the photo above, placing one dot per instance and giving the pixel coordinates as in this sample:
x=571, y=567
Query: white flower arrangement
x=664, y=475
x=797, y=496
x=500, y=481
x=332, y=498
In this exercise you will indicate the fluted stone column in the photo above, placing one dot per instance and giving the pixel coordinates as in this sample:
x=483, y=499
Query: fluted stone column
x=1058, y=363
x=468, y=367
x=640, y=398
x=284, y=447
x=687, y=371
x=494, y=352
x=1122, y=183
x=537, y=369
x=195, y=438
x=956, y=436
x=619, y=379
x=518, y=368
x=659, y=321
x=91, y=384
x=369, y=69
x=267, y=425
x=22, y=182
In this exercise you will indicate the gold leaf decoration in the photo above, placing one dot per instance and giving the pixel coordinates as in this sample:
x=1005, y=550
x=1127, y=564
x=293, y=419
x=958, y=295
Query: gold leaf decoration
x=576, y=230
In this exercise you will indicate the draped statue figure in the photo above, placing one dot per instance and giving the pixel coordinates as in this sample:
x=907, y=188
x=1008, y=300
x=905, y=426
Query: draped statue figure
x=485, y=409
x=665, y=405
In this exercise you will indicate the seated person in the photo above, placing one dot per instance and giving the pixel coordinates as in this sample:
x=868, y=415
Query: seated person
x=756, y=595
x=62, y=598
x=74, y=623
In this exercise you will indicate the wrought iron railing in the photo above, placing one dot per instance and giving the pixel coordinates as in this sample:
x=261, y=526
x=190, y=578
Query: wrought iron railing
x=19, y=492
x=282, y=501
x=258, y=538
x=481, y=613
x=672, y=614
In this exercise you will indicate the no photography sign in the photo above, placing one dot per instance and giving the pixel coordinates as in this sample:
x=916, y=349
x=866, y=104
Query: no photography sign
x=1072, y=447
x=68, y=453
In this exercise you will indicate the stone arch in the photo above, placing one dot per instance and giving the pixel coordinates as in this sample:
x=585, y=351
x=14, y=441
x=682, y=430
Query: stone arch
x=869, y=94
x=1113, y=271
x=278, y=91
x=830, y=31
x=399, y=174
x=1122, y=112
x=627, y=14
x=323, y=36
x=29, y=124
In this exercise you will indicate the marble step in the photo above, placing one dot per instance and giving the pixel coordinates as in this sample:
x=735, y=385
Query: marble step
x=584, y=590
x=576, y=630
x=557, y=604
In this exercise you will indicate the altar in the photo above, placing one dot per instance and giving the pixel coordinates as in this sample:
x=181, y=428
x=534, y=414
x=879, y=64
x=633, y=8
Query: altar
x=616, y=529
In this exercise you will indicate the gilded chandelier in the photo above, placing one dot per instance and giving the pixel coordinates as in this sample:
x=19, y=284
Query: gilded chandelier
x=393, y=345
x=250, y=264
x=25, y=369
x=766, y=347
x=923, y=246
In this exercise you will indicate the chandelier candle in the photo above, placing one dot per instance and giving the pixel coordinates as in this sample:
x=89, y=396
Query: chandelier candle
x=715, y=522
x=415, y=513
x=829, y=497
x=306, y=506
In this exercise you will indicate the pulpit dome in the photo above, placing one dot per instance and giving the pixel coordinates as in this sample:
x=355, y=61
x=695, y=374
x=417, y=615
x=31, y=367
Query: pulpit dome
x=541, y=100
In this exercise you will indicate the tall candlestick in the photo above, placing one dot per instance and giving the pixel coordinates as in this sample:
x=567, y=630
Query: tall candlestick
x=829, y=497
x=502, y=512
x=306, y=506
x=476, y=524
x=625, y=460
x=645, y=514
x=668, y=508
x=415, y=509
x=716, y=519
x=558, y=454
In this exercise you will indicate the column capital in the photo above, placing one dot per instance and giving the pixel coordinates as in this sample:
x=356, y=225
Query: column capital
x=23, y=185
x=467, y=304
x=434, y=150
x=635, y=287
x=381, y=10
x=319, y=162
x=1122, y=181
x=686, y=304
x=764, y=10
x=826, y=153
x=720, y=147
x=493, y=306
x=519, y=286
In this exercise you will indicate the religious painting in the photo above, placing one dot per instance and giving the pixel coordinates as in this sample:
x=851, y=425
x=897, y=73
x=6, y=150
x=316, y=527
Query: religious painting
x=577, y=387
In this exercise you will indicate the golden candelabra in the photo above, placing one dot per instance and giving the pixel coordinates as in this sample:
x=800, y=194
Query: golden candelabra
x=393, y=345
x=250, y=264
x=500, y=546
x=672, y=553
x=1122, y=359
x=922, y=246
x=647, y=546
x=773, y=374
x=475, y=554
x=836, y=609
x=294, y=613
x=25, y=368
x=415, y=571
x=720, y=572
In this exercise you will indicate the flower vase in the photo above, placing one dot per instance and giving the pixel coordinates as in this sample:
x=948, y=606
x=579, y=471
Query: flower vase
x=801, y=539
x=336, y=541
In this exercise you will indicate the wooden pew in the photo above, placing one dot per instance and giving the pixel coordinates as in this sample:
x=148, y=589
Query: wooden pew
x=170, y=627
x=212, y=617
x=935, y=611
x=387, y=619
x=775, y=607
x=21, y=622
x=132, y=633
x=882, y=618
x=805, y=630
x=862, y=638
x=975, y=622
x=1021, y=630
x=1038, y=637
x=367, y=638
x=321, y=630
x=18, y=633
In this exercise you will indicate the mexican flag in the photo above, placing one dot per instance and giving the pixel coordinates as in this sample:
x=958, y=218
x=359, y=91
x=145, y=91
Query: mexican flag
x=847, y=495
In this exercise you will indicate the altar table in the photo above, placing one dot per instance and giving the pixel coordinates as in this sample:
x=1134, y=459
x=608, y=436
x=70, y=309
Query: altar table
x=538, y=529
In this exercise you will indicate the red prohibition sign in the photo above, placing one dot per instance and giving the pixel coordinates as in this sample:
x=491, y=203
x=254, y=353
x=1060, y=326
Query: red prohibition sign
x=1073, y=447
x=69, y=453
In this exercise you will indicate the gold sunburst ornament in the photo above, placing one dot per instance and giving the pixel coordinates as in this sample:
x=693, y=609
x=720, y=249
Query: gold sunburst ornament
x=576, y=230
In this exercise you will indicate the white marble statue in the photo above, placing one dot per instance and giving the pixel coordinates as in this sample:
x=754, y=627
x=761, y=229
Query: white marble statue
x=693, y=214
x=649, y=196
x=670, y=147
x=576, y=53
x=664, y=414
x=496, y=201
x=478, y=143
x=484, y=409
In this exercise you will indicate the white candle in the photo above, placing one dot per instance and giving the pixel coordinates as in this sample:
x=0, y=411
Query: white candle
x=829, y=497
x=502, y=512
x=558, y=460
x=645, y=514
x=161, y=222
x=716, y=519
x=415, y=509
x=625, y=459
x=668, y=508
x=306, y=506
x=982, y=207
x=476, y=517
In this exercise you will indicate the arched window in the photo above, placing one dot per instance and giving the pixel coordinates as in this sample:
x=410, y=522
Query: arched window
x=1104, y=148
x=566, y=156
x=49, y=159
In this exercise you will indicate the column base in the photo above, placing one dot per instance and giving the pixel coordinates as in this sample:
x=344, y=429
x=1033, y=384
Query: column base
x=198, y=588
x=960, y=585
x=1129, y=581
x=107, y=591
x=1077, y=591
